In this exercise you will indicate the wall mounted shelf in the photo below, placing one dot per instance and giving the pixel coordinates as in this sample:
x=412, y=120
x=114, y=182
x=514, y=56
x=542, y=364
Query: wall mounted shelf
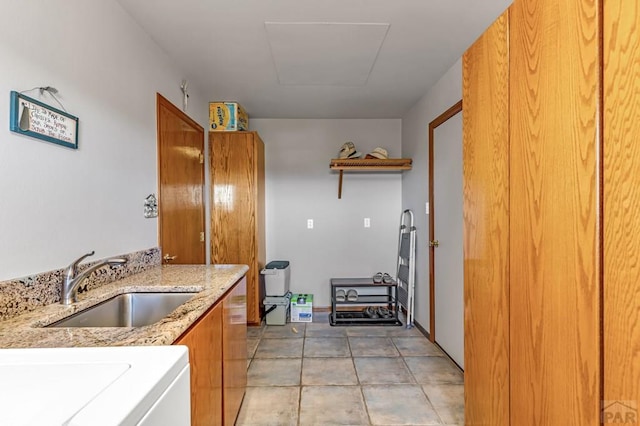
x=368, y=165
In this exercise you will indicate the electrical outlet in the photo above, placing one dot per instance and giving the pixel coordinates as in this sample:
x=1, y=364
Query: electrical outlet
x=367, y=222
x=309, y=223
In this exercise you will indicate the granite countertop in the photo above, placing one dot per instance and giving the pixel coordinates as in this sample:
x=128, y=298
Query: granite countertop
x=26, y=331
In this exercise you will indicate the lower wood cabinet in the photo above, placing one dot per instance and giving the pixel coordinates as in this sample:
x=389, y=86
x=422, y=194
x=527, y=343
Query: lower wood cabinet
x=218, y=359
x=234, y=351
x=205, y=358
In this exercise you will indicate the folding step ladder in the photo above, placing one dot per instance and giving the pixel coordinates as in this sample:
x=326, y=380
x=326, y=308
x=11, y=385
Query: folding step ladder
x=406, y=274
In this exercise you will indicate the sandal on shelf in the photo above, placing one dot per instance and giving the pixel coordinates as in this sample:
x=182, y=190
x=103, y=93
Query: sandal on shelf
x=377, y=278
x=387, y=279
x=352, y=295
x=371, y=312
x=341, y=296
x=384, y=312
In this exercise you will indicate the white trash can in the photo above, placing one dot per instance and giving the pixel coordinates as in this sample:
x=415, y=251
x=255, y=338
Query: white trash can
x=277, y=309
x=276, y=278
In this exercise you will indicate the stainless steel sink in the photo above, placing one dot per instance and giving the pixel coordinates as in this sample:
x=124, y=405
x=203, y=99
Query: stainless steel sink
x=127, y=310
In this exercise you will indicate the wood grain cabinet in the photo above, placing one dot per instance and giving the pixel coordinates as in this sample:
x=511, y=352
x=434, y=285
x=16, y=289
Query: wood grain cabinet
x=237, y=208
x=621, y=202
x=552, y=190
x=217, y=347
x=486, y=226
x=234, y=351
x=204, y=340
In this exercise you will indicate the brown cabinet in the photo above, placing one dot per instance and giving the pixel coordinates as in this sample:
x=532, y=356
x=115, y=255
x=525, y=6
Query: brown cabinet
x=486, y=226
x=551, y=223
x=204, y=340
x=237, y=208
x=621, y=201
x=555, y=246
x=234, y=351
x=217, y=347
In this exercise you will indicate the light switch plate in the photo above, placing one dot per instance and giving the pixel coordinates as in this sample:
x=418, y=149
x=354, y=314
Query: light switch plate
x=367, y=222
x=309, y=223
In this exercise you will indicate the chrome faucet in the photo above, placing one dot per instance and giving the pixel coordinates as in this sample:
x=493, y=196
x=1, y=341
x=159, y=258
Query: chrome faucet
x=72, y=280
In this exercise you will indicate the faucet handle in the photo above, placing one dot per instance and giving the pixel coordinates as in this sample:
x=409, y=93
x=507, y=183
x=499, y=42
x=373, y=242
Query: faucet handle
x=71, y=269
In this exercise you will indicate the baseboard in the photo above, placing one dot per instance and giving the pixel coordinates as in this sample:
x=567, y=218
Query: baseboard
x=421, y=329
x=417, y=325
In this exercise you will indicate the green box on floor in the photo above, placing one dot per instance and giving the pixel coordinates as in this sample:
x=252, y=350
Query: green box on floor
x=302, y=308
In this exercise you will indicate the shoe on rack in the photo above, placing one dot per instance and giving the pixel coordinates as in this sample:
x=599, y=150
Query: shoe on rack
x=387, y=279
x=371, y=312
x=352, y=295
x=377, y=278
x=341, y=295
x=384, y=312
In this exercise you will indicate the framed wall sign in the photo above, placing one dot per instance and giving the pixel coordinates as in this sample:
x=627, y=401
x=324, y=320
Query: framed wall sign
x=38, y=120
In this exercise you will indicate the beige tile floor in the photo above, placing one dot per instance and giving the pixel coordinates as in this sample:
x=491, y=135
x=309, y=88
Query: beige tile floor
x=315, y=374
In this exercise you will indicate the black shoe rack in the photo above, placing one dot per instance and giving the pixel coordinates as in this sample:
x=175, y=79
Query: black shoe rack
x=359, y=311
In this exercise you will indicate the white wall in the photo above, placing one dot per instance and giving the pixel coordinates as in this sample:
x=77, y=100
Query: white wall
x=300, y=186
x=415, y=183
x=57, y=203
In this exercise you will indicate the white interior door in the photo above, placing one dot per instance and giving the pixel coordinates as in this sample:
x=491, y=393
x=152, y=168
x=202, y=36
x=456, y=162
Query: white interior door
x=447, y=215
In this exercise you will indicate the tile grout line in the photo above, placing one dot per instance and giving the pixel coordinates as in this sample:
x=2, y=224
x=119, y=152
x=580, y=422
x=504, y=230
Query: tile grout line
x=304, y=341
x=366, y=406
x=432, y=404
x=420, y=385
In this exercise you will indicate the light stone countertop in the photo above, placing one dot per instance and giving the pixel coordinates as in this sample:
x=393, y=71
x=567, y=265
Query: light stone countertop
x=212, y=282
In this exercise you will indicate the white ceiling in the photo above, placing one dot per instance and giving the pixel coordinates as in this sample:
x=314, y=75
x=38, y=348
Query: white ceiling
x=324, y=54
x=240, y=50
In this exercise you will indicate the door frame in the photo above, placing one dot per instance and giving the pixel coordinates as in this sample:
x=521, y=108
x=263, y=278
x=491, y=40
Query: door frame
x=439, y=120
x=161, y=102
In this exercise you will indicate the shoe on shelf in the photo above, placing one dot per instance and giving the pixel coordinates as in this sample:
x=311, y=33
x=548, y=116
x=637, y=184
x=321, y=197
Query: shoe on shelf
x=387, y=279
x=384, y=312
x=377, y=278
x=371, y=312
x=341, y=295
x=352, y=295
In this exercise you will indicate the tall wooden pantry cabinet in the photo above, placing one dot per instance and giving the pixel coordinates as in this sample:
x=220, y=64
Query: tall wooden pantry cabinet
x=551, y=116
x=485, y=124
x=237, y=208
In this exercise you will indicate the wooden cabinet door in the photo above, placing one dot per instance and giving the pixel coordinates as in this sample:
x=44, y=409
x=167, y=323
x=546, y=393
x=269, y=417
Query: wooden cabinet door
x=181, y=174
x=574, y=289
x=621, y=219
x=234, y=351
x=204, y=340
x=554, y=212
x=257, y=292
x=486, y=226
x=237, y=203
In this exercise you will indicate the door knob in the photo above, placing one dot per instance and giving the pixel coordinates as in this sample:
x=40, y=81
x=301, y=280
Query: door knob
x=434, y=243
x=168, y=258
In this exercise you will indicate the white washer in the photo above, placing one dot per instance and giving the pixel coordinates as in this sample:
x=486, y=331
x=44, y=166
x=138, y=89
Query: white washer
x=95, y=386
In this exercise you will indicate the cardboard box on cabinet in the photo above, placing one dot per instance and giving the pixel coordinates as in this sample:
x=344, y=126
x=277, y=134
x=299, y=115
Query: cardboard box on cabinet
x=226, y=116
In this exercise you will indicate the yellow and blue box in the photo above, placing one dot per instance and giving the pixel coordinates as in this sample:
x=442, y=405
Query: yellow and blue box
x=302, y=308
x=225, y=116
